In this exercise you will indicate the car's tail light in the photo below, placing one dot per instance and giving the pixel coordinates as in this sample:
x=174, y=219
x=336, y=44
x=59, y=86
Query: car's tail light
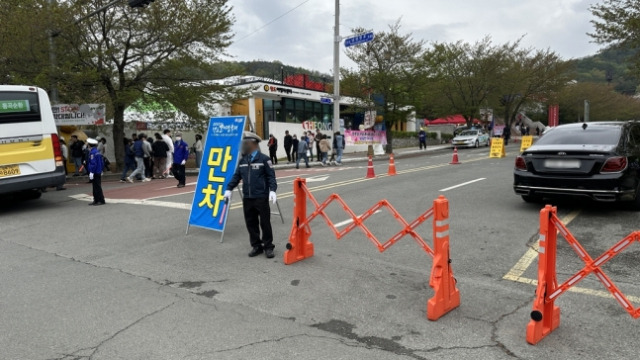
x=614, y=164
x=57, y=151
x=521, y=164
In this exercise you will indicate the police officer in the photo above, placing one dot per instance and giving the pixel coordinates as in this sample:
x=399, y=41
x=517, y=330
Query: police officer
x=258, y=188
x=94, y=166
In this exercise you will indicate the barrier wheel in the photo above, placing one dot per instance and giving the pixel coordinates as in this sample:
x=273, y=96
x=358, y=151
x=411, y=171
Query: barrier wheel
x=289, y=246
x=536, y=316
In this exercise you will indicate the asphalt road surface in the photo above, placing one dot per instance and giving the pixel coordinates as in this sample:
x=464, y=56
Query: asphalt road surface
x=123, y=281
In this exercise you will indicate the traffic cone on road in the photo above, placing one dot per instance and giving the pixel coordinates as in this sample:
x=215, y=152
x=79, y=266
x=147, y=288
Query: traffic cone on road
x=370, y=173
x=392, y=166
x=455, y=160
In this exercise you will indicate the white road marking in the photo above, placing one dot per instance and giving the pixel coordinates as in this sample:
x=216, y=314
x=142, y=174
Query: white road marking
x=349, y=221
x=461, y=185
x=166, y=204
x=173, y=187
x=309, y=179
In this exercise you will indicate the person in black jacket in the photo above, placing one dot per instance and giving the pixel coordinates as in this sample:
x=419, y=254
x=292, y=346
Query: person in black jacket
x=77, y=153
x=288, y=143
x=294, y=144
x=259, y=186
x=273, y=149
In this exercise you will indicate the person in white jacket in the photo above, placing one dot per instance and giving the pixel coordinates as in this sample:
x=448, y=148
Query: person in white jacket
x=166, y=137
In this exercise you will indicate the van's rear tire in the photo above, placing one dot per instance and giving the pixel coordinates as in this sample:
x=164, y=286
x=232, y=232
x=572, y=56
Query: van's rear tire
x=31, y=194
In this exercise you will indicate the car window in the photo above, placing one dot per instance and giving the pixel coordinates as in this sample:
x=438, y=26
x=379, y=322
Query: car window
x=574, y=135
x=18, y=106
x=468, y=133
x=633, y=138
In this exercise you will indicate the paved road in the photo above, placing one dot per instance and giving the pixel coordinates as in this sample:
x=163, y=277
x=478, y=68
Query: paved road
x=123, y=281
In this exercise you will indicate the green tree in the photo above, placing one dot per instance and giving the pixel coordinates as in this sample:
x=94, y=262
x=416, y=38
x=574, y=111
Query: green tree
x=605, y=103
x=465, y=77
x=617, y=23
x=386, y=77
x=530, y=77
x=164, y=54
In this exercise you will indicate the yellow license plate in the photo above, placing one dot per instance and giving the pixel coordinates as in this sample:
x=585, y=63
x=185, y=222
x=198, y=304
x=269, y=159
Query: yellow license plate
x=9, y=170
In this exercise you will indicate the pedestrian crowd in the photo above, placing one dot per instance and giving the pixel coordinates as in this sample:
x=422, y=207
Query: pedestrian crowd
x=158, y=157
x=303, y=148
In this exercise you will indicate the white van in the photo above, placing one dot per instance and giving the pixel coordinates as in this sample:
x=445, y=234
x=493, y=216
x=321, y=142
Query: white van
x=30, y=154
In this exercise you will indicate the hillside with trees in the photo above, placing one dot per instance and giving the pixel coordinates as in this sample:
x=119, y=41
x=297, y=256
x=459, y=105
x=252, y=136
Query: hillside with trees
x=611, y=65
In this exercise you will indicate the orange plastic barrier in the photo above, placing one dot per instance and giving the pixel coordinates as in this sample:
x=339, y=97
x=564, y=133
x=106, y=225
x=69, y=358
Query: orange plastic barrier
x=446, y=295
x=545, y=316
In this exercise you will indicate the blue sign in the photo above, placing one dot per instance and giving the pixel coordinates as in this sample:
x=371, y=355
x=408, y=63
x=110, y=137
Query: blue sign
x=219, y=162
x=326, y=100
x=359, y=39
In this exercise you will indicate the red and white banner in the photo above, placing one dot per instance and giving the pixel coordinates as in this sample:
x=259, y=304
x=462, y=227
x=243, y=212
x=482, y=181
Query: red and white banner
x=554, y=115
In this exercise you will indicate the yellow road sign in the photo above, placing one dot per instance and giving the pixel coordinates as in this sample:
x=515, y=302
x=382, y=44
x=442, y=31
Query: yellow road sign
x=497, y=148
x=527, y=141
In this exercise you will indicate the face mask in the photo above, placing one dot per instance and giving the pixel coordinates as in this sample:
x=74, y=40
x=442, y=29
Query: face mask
x=178, y=138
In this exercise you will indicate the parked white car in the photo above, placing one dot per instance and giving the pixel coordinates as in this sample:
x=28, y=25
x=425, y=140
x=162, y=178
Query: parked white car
x=471, y=138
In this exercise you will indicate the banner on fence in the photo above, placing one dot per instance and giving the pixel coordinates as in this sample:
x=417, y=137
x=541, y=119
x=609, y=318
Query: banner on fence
x=365, y=137
x=221, y=154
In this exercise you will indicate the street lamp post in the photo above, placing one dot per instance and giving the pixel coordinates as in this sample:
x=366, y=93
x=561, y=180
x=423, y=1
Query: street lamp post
x=336, y=69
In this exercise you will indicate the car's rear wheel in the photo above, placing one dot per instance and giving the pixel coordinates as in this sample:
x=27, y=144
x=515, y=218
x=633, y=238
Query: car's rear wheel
x=532, y=199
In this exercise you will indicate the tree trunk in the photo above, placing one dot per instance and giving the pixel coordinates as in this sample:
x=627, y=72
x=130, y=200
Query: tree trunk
x=389, y=138
x=118, y=135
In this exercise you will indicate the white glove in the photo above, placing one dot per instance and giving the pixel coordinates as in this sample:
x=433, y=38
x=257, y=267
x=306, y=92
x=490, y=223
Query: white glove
x=183, y=162
x=272, y=197
x=90, y=176
x=227, y=194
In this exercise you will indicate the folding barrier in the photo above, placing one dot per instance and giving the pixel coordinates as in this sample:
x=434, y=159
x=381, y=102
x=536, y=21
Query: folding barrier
x=545, y=316
x=446, y=295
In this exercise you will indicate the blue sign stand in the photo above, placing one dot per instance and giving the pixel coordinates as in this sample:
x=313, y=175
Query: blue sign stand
x=220, y=158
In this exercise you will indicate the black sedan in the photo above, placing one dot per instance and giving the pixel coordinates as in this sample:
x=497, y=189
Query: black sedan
x=599, y=160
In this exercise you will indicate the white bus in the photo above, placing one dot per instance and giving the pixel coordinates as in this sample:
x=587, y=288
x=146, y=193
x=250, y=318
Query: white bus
x=30, y=154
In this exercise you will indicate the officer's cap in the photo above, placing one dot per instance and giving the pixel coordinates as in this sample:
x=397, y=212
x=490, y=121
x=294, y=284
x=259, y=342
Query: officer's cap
x=251, y=136
x=92, y=141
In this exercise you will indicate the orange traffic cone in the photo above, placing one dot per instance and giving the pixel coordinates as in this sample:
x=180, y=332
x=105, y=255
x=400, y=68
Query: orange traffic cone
x=455, y=160
x=370, y=173
x=392, y=166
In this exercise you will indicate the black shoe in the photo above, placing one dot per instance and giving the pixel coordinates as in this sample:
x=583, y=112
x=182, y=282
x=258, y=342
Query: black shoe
x=93, y=203
x=269, y=254
x=255, y=252
x=181, y=185
x=99, y=203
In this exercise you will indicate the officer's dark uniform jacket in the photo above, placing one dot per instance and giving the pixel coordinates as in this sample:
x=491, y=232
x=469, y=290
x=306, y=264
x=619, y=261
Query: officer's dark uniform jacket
x=258, y=177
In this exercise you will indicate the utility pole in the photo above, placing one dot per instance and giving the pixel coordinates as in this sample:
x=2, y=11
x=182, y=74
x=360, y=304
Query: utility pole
x=587, y=110
x=336, y=70
x=52, y=57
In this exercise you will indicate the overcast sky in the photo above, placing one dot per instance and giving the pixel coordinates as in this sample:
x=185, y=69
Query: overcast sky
x=304, y=36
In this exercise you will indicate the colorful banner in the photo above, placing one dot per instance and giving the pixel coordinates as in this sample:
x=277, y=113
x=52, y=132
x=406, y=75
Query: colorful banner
x=83, y=114
x=219, y=162
x=365, y=137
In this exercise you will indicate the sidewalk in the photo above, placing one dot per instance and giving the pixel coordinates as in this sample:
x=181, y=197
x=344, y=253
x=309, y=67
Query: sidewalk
x=346, y=159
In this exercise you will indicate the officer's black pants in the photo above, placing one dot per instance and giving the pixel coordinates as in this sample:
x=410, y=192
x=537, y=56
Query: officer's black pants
x=98, y=196
x=257, y=216
x=179, y=173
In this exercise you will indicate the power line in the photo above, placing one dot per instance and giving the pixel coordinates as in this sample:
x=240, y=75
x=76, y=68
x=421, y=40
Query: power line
x=272, y=21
